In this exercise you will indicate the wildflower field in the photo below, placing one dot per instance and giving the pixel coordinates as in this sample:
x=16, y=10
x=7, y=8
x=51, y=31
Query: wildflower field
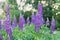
x=22, y=21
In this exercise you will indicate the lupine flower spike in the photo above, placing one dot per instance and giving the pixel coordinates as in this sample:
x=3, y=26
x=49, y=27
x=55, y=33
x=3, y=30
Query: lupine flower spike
x=53, y=23
x=37, y=23
x=38, y=20
x=7, y=8
x=39, y=8
x=33, y=18
x=14, y=24
x=8, y=28
x=21, y=22
x=40, y=13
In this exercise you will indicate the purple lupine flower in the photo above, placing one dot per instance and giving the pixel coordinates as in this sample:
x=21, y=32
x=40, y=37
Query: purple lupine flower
x=1, y=37
x=33, y=18
x=37, y=25
x=38, y=16
x=14, y=24
x=47, y=22
x=9, y=34
x=28, y=20
x=40, y=8
x=8, y=17
x=7, y=8
x=0, y=24
x=6, y=23
x=53, y=23
x=8, y=28
x=37, y=22
x=40, y=13
x=21, y=22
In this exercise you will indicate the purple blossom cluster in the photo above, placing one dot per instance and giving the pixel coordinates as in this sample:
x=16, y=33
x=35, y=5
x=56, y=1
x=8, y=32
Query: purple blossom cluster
x=37, y=20
x=7, y=27
x=21, y=22
x=1, y=37
x=33, y=18
x=14, y=23
x=53, y=24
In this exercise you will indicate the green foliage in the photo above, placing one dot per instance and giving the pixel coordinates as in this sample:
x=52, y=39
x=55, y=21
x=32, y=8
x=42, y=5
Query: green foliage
x=13, y=2
x=13, y=9
x=4, y=34
x=28, y=33
x=14, y=12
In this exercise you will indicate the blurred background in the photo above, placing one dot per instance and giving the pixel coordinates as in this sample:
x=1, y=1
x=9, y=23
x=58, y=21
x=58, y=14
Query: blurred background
x=25, y=7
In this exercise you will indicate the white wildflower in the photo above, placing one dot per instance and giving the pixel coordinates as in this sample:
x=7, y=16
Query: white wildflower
x=57, y=13
x=1, y=11
x=28, y=7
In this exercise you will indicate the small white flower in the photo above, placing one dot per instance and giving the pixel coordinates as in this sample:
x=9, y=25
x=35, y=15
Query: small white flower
x=52, y=9
x=28, y=7
x=46, y=4
x=22, y=3
x=57, y=3
x=2, y=1
x=56, y=6
x=34, y=10
x=1, y=11
x=57, y=13
x=54, y=32
x=18, y=2
x=20, y=8
x=43, y=2
x=32, y=1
